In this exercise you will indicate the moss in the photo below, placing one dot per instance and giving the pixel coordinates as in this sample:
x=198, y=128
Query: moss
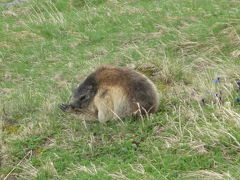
x=11, y=129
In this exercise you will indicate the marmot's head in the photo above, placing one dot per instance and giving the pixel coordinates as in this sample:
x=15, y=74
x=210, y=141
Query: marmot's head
x=84, y=93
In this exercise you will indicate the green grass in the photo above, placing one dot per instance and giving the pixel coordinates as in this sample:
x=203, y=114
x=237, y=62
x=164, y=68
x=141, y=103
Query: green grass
x=48, y=47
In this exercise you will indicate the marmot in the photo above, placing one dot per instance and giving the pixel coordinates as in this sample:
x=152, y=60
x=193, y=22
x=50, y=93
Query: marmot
x=114, y=92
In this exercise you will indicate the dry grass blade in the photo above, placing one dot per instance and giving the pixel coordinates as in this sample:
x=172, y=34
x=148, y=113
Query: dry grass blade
x=17, y=165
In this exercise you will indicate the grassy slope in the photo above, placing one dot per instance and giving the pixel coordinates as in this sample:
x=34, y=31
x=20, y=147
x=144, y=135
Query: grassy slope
x=47, y=48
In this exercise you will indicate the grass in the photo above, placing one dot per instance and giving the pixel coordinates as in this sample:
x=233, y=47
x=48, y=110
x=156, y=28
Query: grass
x=48, y=47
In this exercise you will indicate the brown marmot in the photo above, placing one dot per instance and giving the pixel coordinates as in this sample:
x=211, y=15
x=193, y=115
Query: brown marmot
x=114, y=92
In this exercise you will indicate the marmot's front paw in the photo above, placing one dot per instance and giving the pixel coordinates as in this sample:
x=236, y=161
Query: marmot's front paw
x=64, y=107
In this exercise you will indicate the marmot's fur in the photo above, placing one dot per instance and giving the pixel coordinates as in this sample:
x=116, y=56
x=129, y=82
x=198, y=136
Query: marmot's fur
x=115, y=92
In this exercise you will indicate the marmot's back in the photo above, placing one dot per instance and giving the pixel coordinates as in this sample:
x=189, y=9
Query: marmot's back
x=140, y=91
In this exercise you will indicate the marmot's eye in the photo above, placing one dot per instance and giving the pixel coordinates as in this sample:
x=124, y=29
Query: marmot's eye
x=83, y=97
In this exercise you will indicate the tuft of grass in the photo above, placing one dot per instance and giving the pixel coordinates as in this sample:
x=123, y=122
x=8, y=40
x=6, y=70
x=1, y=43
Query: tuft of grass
x=190, y=49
